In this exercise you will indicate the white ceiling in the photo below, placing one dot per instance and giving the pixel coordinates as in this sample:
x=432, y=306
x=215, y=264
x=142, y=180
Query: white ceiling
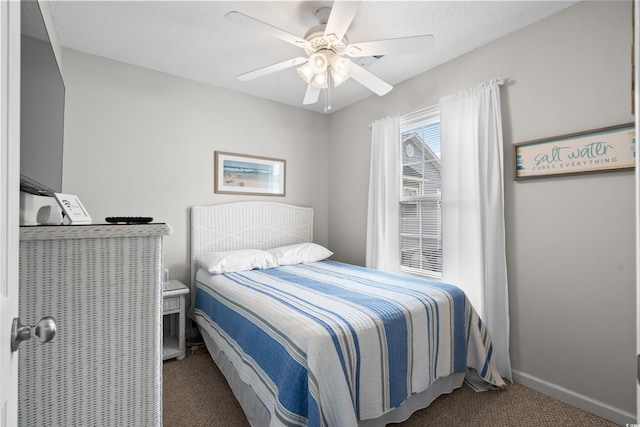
x=191, y=39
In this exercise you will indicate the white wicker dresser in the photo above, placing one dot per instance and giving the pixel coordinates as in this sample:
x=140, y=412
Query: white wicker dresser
x=102, y=284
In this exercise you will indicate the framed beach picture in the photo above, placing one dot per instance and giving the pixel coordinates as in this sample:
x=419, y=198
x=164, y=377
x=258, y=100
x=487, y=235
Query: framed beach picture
x=243, y=174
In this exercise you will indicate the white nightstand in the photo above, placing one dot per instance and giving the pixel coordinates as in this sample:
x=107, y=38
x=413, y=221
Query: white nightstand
x=173, y=307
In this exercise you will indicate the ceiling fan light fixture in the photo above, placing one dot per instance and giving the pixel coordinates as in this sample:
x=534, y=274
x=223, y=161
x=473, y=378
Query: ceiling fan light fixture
x=320, y=80
x=340, y=69
x=316, y=70
x=306, y=72
x=318, y=62
x=338, y=78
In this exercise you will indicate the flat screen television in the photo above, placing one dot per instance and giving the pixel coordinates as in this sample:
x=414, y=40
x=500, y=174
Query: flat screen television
x=42, y=95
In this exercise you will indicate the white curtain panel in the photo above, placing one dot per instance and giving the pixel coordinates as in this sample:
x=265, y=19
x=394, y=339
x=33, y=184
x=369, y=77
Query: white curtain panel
x=383, y=216
x=473, y=234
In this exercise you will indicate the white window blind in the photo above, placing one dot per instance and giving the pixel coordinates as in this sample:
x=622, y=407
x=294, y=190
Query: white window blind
x=420, y=198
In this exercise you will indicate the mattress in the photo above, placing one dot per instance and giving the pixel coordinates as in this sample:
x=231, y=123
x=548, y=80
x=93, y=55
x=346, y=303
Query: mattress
x=327, y=343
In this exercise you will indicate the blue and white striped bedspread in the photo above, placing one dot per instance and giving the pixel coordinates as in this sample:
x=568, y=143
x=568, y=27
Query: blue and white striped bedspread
x=327, y=344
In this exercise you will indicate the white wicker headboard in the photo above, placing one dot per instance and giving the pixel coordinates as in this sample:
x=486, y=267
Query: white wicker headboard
x=247, y=225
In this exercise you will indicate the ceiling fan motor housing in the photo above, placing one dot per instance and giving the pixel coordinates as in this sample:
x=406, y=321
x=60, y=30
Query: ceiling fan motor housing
x=316, y=37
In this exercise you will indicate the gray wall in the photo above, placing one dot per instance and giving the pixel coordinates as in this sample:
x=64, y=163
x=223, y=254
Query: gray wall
x=141, y=143
x=570, y=240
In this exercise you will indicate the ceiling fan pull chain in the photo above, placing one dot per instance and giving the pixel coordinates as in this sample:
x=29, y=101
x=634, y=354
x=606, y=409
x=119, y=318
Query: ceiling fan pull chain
x=327, y=94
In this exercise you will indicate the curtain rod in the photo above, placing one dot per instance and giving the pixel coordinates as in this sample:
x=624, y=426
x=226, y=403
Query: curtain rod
x=434, y=108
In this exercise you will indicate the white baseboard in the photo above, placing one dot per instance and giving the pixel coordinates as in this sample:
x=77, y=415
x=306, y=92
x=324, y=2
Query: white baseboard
x=588, y=404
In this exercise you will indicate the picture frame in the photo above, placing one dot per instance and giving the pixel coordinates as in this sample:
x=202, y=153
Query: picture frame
x=73, y=208
x=599, y=150
x=250, y=175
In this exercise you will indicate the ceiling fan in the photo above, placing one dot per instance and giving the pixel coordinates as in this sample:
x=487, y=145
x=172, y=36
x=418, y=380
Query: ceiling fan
x=328, y=52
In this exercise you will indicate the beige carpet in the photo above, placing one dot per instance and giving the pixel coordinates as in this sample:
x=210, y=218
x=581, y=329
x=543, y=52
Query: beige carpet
x=195, y=394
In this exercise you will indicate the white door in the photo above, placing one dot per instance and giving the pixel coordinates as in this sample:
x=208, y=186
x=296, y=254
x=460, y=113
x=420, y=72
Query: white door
x=636, y=100
x=9, y=204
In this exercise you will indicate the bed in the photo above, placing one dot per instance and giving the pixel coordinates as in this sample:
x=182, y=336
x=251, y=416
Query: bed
x=305, y=340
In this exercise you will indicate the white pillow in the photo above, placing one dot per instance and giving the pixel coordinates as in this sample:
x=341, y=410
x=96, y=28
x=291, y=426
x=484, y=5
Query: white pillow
x=240, y=260
x=302, y=252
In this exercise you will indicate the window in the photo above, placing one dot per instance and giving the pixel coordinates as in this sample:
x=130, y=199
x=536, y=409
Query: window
x=420, y=199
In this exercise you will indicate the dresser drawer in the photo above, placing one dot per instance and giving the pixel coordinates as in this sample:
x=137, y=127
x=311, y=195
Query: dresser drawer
x=171, y=304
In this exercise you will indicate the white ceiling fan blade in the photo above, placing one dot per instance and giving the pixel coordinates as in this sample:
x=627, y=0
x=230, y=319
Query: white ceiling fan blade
x=312, y=95
x=416, y=44
x=342, y=14
x=272, y=68
x=263, y=27
x=370, y=81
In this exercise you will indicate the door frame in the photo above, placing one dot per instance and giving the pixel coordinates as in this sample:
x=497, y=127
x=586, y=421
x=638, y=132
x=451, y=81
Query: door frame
x=9, y=204
x=636, y=102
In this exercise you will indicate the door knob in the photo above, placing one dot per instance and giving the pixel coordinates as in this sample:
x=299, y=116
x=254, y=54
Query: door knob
x=45, y=330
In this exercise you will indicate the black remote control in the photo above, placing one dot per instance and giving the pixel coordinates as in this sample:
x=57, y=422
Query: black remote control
x=129, y=219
